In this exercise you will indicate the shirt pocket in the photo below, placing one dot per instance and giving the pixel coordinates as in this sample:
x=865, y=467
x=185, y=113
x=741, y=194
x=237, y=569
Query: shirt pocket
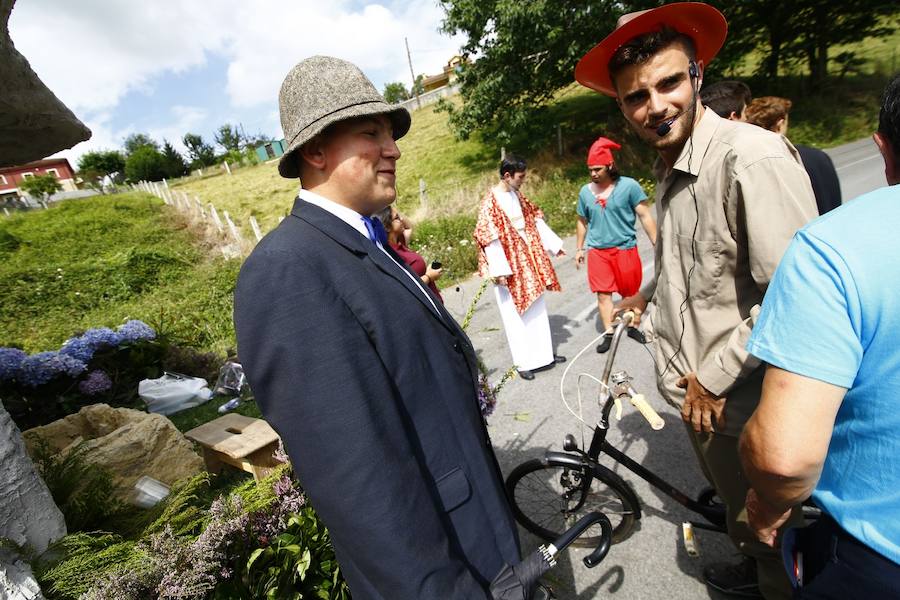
x=701, y=262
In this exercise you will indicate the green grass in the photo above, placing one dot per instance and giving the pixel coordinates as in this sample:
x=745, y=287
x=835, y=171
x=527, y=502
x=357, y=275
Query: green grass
x=104, y=260
x=99, y=261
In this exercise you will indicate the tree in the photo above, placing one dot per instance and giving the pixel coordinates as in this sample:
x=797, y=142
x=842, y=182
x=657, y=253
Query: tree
x=802, y=30
x=527, y=51
x=40, y=186
x=229, y=137
x=107, y=162
x=95, y=166
x=395, y=92
x=145, y=164
x=200, y=153
x=139, y=140
x=173, y=162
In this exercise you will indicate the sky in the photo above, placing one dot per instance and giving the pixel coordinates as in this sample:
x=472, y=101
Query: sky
x=169, y=67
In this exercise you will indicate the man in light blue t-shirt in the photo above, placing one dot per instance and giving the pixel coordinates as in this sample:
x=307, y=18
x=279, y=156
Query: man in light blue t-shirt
x=828, y=422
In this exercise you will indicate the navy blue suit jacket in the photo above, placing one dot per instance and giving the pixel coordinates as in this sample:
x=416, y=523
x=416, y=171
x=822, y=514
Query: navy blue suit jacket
x=374, y=396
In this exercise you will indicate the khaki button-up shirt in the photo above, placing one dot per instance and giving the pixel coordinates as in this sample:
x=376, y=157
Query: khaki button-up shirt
x=726, y=212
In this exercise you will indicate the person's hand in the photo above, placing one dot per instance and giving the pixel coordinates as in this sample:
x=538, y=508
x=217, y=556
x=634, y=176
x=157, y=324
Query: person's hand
x=433, y=274
x=636, y=304
x=500, y=280
x=579, y=258
x=763, y=519
x=701, y=405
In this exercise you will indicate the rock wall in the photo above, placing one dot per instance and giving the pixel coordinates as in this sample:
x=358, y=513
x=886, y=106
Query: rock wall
x=28, y=515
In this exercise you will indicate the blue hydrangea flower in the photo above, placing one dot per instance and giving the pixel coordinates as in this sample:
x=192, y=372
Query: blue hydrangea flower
x=83, y=347
x=95, y=383
x=10, y=361
x=136, y=331
x=79, y=348
x=40, y=368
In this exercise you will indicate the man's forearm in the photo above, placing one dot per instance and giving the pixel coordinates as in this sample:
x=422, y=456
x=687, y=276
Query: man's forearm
x=784, y=444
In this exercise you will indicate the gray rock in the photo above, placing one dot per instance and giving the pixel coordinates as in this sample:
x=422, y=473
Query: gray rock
x=28, y=515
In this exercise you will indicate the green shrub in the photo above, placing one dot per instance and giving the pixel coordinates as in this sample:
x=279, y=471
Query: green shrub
x=82, y=491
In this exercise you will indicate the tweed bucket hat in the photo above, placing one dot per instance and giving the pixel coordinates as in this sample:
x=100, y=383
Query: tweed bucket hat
x=320, y=91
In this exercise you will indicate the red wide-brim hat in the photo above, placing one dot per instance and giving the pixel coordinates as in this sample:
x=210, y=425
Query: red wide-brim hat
x=701, y=22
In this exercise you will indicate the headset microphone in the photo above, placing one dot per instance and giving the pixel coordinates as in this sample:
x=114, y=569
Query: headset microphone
x=665, y=127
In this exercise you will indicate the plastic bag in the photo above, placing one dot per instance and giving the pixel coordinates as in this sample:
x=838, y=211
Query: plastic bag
x=173, y=392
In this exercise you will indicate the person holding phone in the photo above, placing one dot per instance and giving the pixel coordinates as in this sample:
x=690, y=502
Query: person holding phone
x=399, y=232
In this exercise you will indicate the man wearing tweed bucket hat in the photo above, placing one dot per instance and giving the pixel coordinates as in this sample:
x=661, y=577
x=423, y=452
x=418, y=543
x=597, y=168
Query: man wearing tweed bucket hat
x=370, y=383
x=729, y=197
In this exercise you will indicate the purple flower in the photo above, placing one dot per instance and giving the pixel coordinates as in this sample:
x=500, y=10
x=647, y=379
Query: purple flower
x=136, y=331
x=95, y=383
x=486, y=398
x=40, y=368
x=10, y=361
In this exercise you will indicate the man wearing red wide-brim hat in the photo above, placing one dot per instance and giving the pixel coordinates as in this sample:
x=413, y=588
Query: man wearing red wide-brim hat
x=729, y=199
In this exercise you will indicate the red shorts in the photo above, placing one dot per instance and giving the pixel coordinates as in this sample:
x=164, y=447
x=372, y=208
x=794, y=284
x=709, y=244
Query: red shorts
x=614, y=270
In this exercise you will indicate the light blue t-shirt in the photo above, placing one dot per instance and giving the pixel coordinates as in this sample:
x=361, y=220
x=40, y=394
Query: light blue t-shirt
x=832, y=313
x=613, y=226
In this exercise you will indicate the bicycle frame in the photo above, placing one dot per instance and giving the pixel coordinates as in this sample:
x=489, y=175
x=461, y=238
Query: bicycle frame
x=599, y=445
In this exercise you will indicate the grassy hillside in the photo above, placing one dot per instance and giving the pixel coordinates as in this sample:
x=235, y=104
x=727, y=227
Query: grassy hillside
x=104, y=260
x=456, y=173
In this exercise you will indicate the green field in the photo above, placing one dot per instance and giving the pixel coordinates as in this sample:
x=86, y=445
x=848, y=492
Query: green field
x=104, y=260
x=100, y=261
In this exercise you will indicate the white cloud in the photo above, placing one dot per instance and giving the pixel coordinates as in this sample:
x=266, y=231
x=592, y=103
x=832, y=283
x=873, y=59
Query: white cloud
x=372, y=38
x=92, y=53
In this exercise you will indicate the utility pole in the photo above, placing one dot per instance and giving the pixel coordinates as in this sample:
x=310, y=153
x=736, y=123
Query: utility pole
x=412, y=73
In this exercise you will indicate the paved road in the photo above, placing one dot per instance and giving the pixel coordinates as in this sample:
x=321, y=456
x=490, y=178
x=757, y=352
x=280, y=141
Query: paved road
x=859, y=167
x=531, y=418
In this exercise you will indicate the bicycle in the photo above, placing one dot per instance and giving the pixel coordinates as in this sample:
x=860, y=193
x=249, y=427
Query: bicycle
x=547, y=494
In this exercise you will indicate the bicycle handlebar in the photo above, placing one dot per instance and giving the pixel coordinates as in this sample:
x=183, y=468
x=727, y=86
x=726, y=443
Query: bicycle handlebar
x=647, y=411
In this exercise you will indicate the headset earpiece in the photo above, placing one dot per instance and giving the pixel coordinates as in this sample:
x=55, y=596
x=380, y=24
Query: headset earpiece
x=693, y=70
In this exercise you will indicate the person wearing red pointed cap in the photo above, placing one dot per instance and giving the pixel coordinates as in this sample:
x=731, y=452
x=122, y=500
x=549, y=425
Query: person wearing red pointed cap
x=606, y=236
x=729, y=198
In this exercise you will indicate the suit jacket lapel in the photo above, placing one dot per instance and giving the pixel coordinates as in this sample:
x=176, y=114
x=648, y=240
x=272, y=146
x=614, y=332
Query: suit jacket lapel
x=348, y=237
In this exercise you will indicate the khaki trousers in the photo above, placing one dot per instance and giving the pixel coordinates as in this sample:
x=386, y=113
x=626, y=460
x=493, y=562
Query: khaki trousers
x=719, y=459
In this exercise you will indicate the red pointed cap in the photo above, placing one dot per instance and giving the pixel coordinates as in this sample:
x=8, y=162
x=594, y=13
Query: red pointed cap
x=701, y=22
x=600, y=154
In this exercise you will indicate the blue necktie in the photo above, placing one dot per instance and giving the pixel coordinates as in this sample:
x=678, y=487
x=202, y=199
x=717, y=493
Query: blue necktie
x=376, y=230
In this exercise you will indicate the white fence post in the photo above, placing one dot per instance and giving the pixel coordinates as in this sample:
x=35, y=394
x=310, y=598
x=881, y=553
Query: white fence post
x=232, y=227
x=165, y=183
x=255, y=226
x=423, y=195
x=5, y=211
x=199, y=206
x=227, y=168
x=215, y=217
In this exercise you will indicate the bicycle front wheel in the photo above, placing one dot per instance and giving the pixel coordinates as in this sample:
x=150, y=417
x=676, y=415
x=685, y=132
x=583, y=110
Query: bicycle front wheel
x=548, y=498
